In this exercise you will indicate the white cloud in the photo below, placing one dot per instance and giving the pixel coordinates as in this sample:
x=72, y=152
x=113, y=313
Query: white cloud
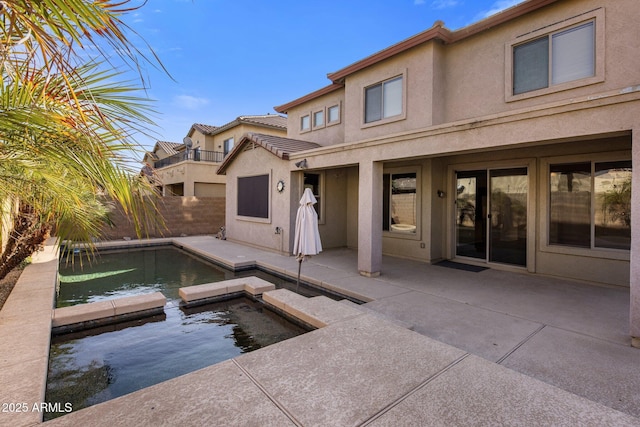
x=190, y=102
x=443, y=4
x=498, y=6
x=418, y=2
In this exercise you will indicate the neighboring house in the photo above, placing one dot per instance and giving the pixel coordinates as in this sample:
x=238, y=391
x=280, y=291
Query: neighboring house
x=508, y=143
x=189, y=168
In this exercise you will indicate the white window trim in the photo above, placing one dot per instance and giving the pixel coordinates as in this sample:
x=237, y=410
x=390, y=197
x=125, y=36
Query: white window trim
x=598, y=17
x=593, y=252
x=391, y=119
x=417, y=169
x=335, y=122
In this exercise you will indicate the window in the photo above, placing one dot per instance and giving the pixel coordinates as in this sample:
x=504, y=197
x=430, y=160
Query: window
x=399, y=202
x=383, y=100
x=318, y=119
x=305, y=123
x=313, y=181
x=555, y=58
x=253, y=196
x=333, y=114
x=228, y=145
x=590, y=204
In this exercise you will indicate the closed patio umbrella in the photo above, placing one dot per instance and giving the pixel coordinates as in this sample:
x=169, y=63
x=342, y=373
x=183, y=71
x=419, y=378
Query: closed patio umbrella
x=306, y=240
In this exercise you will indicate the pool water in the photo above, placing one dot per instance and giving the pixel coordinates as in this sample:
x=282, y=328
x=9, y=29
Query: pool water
x=97, y=365
x=134, y=272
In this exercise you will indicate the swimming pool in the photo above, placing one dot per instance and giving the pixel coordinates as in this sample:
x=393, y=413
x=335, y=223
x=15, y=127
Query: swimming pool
x=100, y=364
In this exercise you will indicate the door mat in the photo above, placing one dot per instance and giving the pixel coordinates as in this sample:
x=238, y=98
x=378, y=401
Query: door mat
x=460, y=266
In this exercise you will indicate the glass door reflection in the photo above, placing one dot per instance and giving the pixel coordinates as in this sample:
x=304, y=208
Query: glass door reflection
x=471, y=213
x=508, y=216
x=491, y=215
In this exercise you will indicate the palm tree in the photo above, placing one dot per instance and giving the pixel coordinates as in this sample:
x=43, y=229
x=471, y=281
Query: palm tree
x=66, y=123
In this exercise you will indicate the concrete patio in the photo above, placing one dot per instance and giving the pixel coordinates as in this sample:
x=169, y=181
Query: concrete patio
x=487, y=347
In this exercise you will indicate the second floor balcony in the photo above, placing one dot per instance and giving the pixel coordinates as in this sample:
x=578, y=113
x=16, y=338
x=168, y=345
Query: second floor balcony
x=195, y=155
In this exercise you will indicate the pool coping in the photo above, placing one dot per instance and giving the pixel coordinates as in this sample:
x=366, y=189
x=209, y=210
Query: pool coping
x=101, y=313
x=26, y=321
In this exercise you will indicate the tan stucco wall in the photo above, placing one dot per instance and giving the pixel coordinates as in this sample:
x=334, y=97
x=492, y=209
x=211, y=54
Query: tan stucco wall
x=417, y=68
x=475, y=67
x=205, y=189
x=189, y=172
x=333, y=229
x=329, y=134
x=458, y=110
x=260, y=232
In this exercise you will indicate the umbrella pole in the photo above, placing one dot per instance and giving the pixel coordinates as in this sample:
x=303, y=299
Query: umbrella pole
x=299, y=267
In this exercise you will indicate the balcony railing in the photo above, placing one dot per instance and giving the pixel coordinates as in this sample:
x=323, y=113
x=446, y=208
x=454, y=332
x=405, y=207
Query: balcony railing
x=195, y=155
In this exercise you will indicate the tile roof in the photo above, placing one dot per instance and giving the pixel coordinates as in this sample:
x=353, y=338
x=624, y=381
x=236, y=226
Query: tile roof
x=267, y=120
x=168, y=147
x=276, y=145
x=274, y=121
x=271, y=120
x=204, y=129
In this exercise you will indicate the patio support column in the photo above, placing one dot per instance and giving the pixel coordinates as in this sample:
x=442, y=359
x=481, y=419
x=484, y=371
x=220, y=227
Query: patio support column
x=370, y=218
x=635, y=240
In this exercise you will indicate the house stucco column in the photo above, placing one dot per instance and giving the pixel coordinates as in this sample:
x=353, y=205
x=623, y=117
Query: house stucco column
x=370, y=218
x=635, y=241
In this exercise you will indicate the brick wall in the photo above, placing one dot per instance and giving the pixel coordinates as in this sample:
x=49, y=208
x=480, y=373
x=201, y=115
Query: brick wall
x=182, y=215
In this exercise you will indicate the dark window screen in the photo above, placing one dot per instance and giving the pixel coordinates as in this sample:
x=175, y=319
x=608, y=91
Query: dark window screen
x=253, y=196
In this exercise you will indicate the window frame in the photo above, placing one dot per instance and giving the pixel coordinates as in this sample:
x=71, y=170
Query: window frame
x=545, y=205
x=259, y=219
x=403, y=101
x=302, y=120
x=401, y=171
x=224, y=146
x=595, y=16
x=313, y=118
x=339, y=119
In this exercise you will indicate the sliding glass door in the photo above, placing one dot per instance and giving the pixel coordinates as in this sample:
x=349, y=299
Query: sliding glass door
x=491, y=215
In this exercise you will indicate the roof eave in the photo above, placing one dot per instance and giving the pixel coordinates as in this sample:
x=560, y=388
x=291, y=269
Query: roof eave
x=439, y=33
x=313, y=95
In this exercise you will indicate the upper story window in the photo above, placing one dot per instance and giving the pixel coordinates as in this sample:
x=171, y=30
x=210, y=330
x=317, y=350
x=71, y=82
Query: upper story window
x=318, y=119
x=555, y=58
x=565, y=55
x=305, y=123
x=228, y=145
x=383, y=100
x=333, y=114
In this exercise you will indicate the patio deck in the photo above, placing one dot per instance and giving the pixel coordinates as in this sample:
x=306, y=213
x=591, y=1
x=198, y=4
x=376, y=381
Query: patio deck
x=474, y=336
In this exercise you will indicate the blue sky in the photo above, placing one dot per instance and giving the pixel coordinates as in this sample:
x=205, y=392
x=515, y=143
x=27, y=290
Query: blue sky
x=243, y=57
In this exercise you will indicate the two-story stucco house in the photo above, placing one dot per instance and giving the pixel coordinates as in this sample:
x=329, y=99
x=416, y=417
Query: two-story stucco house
x=509, y=143
x=189, y=168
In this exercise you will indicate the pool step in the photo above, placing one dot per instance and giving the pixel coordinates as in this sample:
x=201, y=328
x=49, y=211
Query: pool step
x=316, y=312
x=211, y=292
x=90, y=315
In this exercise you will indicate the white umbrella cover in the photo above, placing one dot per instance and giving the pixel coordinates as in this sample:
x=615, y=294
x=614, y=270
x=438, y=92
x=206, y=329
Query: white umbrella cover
x=306, y=240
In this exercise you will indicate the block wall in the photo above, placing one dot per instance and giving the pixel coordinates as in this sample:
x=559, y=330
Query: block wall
x=182, y=216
